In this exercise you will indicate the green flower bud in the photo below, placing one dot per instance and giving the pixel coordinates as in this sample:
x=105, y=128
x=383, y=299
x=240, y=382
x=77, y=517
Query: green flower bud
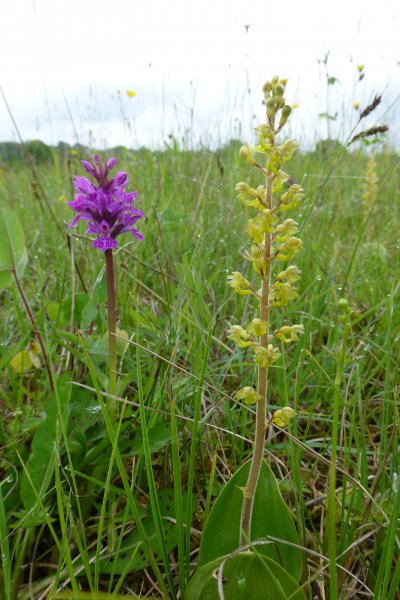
x=260, y=225
x=288, y=148
x=285, y=230
x=279, y=89
x=285, y=114
x=265, y=357
x=281, y=294
x=291, y=198
x=272, y=107
x=256, y=256
x=282, y=416
x=280, y=178
x=248, y=394
x=257, y=327
x=246, y=152
x=239, y=283
x=265, y=135
x=267, y=88
x=289, y=333
x=256, y=251
x=289, y=248
x=243, y=189
x=274, y=159
x=240, y=336
x=292, y=273
x=250, y=196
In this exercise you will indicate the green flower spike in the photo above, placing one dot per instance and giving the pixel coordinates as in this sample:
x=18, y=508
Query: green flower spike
x=272, y=241
x=250, y=506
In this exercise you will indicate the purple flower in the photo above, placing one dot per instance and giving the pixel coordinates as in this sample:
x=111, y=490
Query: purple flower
x=105, y=206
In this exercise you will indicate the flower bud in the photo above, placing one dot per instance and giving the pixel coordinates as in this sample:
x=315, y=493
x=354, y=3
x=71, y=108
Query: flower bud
x=240, y=336
x=271, y=108
x=239, y=283
x=248, y=394
x=111, y=163
x=265, y=357
x=256, y=250
x=257, y=327
x=282, y=417
x=246, y=152
x=285, y=114
x=267, y=88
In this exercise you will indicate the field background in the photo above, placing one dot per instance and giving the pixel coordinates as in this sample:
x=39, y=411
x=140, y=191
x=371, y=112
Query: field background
x=173, y=301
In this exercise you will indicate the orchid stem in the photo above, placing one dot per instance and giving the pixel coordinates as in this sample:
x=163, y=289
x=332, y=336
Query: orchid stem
x=261, y=414
x=112, y=347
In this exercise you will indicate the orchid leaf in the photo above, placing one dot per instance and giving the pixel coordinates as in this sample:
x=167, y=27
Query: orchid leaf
x=246, y=575
x=271, y=517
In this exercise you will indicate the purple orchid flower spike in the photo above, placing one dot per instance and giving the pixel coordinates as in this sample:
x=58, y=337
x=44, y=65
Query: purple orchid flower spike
x=105, y=205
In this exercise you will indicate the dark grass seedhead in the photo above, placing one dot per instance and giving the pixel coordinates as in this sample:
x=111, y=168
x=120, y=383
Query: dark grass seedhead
x=369, y=132
x=371, y=107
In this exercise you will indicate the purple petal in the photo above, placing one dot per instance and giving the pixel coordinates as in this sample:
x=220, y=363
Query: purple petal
x=74, y=222
x=120, y=180
x=102, y=201
x=89, y=168
x=139, y=236
x=102, y=228
x=104, y=243
x=83, y=185
x=131, y=197
x=111, y=163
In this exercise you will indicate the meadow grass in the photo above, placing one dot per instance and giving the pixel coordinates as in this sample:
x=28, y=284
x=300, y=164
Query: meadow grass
x=87, y=505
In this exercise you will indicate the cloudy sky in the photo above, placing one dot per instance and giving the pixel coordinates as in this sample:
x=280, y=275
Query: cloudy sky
x=196, y=68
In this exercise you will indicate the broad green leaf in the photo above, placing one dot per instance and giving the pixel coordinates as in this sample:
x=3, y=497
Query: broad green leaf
x=80, y=300
x=247, y=575
x=40, y=464
x=89, y=313
x=271, y=516
x=98, y=349
x=85, y=310
x=159, y=437
x=56, y=314
x=24, y=360
x=100, y=289
x=12, y=246
x=21, y=362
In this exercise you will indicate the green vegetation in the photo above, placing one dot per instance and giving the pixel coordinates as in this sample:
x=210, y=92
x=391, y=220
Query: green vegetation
x=90, y=508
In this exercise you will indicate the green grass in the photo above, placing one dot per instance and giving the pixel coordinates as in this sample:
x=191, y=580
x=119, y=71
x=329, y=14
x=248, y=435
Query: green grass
x=103, y=522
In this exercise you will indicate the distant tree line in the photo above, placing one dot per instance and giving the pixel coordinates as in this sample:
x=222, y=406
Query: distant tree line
x=40, y=153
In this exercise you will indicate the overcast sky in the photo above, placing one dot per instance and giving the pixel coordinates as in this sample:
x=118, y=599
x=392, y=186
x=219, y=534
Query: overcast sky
x=197, y=67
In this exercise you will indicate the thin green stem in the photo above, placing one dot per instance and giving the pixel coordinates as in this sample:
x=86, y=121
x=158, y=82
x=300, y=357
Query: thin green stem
x=331, y=520
x=112, y=347
x=261, y=411
x=35, y=329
